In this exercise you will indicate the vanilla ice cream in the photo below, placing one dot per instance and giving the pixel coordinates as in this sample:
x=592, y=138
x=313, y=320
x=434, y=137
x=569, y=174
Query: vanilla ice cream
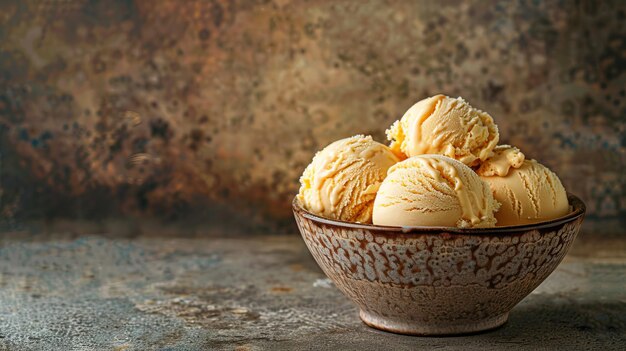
x=342, y=180
x=529, y=193
x=446, y=126
x=504, y=157
x=434, y=190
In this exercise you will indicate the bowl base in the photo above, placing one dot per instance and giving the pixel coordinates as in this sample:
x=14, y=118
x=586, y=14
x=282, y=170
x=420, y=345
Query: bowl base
x=416, y=328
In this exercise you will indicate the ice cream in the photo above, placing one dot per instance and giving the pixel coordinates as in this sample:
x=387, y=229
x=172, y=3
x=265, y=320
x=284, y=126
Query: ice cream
x=434, y=190
x=504, y=157
x=342, y=180
x=442, y=168
x=446, y=126
x=529, y=193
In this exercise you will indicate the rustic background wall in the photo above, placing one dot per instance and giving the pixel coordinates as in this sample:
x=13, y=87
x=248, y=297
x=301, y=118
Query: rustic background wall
x=208, y=111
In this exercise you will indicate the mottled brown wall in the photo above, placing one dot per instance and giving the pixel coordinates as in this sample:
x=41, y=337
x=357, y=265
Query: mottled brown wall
x=176, y=108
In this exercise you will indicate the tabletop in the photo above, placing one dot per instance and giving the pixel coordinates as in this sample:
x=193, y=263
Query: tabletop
x=108, y=287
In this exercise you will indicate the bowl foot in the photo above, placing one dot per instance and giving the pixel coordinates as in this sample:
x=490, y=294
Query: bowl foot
x=417, y=328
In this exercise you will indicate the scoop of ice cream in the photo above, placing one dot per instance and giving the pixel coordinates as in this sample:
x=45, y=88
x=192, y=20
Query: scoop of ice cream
x=342, y=180
x=446, y=126
x=434, y=190
x=504, y=157
x=529, y=194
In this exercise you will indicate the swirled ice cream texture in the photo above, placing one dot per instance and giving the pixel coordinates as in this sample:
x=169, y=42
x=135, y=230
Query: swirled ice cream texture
x=445, y=126
x=342, y=180
x=434, y=190
x=530, y=193
x=504, y=158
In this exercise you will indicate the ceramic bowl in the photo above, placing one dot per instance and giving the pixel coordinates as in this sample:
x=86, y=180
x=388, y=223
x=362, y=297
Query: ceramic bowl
x=437, y=280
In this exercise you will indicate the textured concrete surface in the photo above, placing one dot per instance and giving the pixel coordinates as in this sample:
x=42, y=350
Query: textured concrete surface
x=81, y=290
x=169, y=108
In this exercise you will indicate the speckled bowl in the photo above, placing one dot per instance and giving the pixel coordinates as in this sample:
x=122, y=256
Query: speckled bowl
x=437, y=280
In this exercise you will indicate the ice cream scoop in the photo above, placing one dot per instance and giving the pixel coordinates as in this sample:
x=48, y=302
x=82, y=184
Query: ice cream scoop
x=342, y=180
x=530, y=193
x=434, y=190
x=446, y=126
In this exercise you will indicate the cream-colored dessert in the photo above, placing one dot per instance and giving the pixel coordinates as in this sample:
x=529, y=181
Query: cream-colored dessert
x=342, y=180
x=504, y=157
x=434, y=190
x=528, y=191
x=439, y=138
x=445, y=126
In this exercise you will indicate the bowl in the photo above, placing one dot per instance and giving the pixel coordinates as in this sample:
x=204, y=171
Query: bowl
x=437, y=280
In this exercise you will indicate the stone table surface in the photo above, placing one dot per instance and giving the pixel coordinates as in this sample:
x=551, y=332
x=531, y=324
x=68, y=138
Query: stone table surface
x=163, y=289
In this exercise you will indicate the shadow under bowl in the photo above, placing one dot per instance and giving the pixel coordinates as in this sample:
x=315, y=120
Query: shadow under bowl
x=437, y=280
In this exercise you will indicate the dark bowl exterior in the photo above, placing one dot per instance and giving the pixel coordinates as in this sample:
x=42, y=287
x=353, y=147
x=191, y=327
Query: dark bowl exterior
x=435, y=281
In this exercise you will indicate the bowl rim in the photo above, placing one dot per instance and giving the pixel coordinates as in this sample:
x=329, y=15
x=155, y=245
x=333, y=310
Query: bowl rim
x=577, y=205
